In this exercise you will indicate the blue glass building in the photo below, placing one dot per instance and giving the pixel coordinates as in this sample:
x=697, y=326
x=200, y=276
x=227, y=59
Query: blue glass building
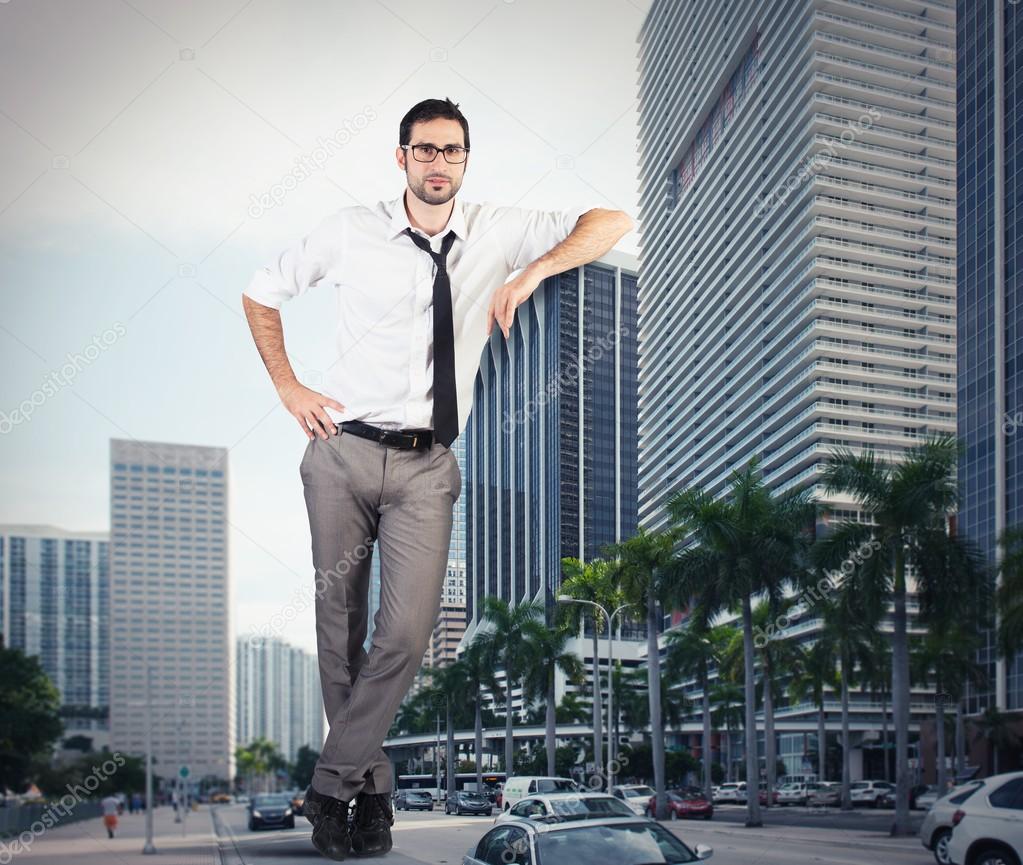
x=990, y=319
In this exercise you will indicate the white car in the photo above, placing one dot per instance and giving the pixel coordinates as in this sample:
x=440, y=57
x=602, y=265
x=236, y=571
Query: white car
x=988, y=826
x=636, y=796
x=936, y=829
x=732, y=791
x=868, y=792
x=519, y=786
x=566, y=806
x=793, y=794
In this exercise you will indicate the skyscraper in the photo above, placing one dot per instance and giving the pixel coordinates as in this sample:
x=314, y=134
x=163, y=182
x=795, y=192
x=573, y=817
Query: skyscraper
x=54, y=604
x=278, y=695
x=990, y=315
x=169, y=598
x=550, y=446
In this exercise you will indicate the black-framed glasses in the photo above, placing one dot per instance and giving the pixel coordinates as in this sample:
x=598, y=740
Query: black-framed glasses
x=453, y=153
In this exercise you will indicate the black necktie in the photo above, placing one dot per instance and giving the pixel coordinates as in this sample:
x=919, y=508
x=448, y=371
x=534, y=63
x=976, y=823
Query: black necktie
x=445, y=397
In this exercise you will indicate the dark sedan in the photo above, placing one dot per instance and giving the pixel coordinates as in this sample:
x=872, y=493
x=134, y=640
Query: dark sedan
x=468, y=802
x=271, y=810
x=413, y=800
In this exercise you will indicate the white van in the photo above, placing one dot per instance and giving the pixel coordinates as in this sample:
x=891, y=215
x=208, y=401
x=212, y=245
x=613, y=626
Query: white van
x=519, y=786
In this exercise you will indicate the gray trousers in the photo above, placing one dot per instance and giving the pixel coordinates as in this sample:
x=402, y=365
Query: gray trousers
x=362, y=495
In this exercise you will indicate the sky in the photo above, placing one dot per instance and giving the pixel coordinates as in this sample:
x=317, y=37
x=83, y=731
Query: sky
x=155, y=154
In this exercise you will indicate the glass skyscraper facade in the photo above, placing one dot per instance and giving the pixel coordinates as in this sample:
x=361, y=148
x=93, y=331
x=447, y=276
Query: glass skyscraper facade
x=989, y=132
x=550, y=467
x=55, y=604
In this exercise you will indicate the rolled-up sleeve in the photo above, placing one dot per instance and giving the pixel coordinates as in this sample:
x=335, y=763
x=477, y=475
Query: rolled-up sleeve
x=528, y=234
x=300, y=266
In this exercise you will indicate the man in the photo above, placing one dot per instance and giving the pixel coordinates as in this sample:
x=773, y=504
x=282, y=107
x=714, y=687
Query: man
x=419, y=283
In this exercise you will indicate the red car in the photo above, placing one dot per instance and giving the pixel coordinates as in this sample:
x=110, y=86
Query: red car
x=684, y=802
x=762, y=796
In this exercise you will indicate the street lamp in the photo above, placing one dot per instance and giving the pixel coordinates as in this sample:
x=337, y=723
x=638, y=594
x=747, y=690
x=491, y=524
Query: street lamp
x=567, y=599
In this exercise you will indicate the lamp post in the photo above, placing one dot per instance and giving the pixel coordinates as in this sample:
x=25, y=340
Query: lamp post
x=148, y=847
x=567, y=599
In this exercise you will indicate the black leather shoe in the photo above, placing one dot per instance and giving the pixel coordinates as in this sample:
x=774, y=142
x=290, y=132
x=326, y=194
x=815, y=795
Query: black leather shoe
x=329, y=816
x=371, y=824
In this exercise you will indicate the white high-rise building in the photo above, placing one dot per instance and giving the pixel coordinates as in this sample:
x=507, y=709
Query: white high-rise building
x=54, y=605
x=169, y=603
x=278, y=695
x=798, y=202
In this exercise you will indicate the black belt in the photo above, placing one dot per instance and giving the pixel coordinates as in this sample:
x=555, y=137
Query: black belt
x=419, y=439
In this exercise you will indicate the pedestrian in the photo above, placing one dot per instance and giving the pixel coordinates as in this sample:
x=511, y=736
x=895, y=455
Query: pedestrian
x=419, y=283
x=136, y=803
x=110, y=805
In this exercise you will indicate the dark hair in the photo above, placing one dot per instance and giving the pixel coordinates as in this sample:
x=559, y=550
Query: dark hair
x=430, y=109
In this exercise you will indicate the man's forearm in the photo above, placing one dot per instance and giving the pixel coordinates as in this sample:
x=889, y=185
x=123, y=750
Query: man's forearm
x=596, y=232
x=268, y=334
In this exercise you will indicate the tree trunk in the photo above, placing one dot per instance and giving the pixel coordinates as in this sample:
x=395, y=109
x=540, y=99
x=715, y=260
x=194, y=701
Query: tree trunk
x=654, y=685
x=598, y=709
x=884, y=734
x=942, y=772
x=452, y=758
x=900, y=697
x=478, y=743
x=728, y=750
x=822, y=743
x=752, y=763
x=960, y=742
x=551, y=718
x=509, y=737
x=846, y=779
x=707, y=780
x=770, y=749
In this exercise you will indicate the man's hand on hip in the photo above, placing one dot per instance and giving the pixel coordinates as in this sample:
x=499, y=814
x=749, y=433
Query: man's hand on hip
x=307, y=407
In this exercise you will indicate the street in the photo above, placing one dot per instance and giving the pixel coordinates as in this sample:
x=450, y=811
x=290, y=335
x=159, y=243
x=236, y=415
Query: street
x=794, y=836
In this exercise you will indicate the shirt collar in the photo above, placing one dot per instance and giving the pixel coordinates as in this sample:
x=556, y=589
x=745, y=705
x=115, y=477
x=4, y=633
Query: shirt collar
x=400, y=221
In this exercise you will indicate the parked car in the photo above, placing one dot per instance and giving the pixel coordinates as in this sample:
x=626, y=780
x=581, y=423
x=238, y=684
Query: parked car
x=936, y=830
x=762, y=795
x=684, y=802
x=413, y=800
x=732, y=792
x=519, y=786
x=554, y=807
x=927, y=792
x=823, y=794
x=468, y=802
x=271, y=809
x=988, y=826
x=793, y=794
x=610, y=839
x=635, y=796
x=868, y=792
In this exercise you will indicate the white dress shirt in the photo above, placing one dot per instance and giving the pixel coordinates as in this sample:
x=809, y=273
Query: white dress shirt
x=383, y=285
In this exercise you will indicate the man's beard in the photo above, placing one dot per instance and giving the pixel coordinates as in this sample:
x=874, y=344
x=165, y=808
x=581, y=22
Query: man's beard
x=426, y=193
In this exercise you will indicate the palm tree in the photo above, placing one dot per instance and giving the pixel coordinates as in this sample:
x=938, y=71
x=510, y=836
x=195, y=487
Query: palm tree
x=814, y=671
x=907, y=500
x=691, y=653
x=637, y=570
x=507, y=627
x=745, y=546
x=850, y=622
x=479, y=662
x=728, y=712
x=946, y=659
x=995, y=727
x=589, y=582
x=455, y=689
x=876, y=675
x=546, y=655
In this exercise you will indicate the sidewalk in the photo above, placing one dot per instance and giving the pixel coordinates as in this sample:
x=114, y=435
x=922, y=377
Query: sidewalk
x=86, y=842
